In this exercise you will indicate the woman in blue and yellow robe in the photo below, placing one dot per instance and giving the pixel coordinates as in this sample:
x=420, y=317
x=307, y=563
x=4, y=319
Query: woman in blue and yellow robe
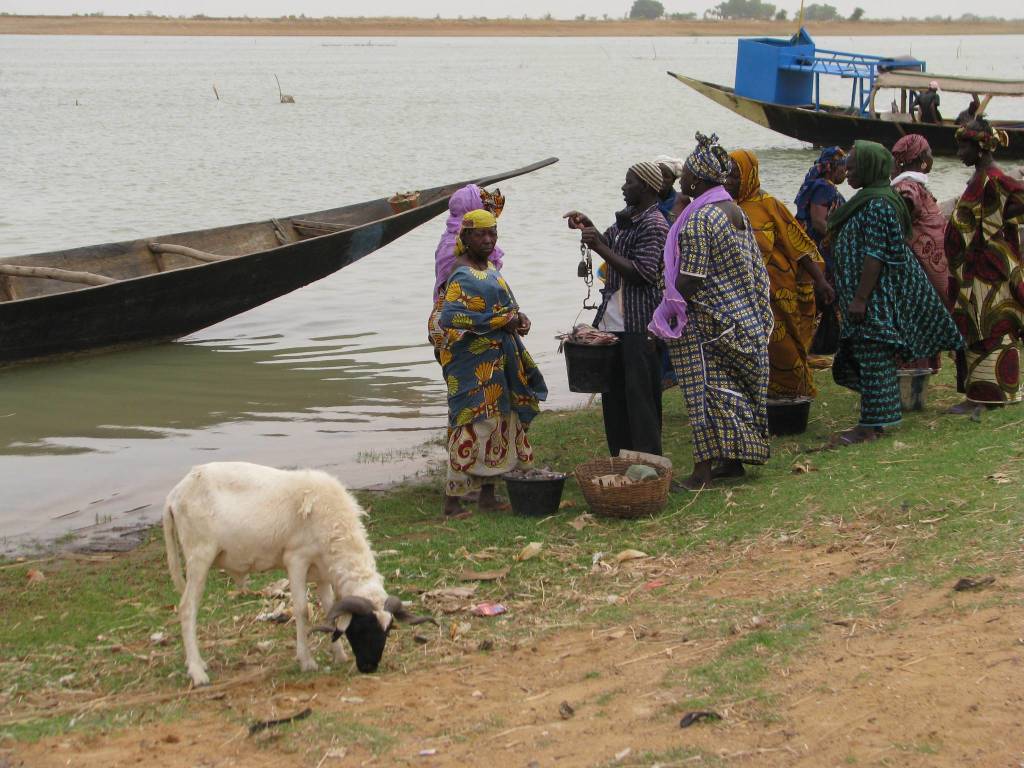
x=494, y=386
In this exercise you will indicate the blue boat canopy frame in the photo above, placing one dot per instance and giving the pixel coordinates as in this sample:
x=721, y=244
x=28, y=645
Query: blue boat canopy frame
x=788, y=72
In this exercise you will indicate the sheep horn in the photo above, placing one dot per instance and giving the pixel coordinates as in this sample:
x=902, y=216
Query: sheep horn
x=351, y=604
x=334, y=632
x=394, y=606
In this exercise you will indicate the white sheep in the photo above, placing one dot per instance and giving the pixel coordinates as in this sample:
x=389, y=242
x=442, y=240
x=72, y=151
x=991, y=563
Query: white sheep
x=246, y=518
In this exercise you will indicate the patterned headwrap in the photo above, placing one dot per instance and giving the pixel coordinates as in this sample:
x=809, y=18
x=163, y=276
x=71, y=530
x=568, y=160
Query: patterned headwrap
x=674, y=164
x=709, y=161
x=650, y=174
x=985, y=136
x=910, y=148
x=495, y=201
x=830, y=157
x=478, y=219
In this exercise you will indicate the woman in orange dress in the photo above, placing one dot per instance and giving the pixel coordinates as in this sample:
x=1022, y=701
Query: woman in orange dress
x=796, y=271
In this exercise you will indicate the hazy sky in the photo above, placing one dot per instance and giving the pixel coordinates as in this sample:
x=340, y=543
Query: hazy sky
x=490, y=8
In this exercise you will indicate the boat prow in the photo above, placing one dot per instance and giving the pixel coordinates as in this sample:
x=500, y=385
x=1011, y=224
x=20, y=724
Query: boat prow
x=161, y=288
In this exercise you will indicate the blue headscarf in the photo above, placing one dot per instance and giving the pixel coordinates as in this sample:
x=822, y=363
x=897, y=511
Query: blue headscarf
x=829, y=158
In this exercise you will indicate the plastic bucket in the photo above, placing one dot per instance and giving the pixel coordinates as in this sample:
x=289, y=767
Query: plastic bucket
x=590, y=366
x=535, y=497
x=913, y=386
x=788, y=416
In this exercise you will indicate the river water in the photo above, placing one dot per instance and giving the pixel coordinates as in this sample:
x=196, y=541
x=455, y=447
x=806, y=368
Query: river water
x=110, y=138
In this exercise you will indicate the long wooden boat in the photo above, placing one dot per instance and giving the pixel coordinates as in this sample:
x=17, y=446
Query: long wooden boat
x=165, y=287
x=778, y=86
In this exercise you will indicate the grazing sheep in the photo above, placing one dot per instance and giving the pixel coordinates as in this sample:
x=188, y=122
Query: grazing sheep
x=246, y=518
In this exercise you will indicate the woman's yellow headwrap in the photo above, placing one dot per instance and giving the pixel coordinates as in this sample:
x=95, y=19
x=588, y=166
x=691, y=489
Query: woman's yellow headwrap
x=750, y=178
x=478, y=219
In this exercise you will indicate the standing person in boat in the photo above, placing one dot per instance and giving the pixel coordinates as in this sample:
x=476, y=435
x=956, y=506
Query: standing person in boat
x=928, y=104
x=819, y=196
x=983, y=246
x=797, y=276
x=631, y=249
x=469, y=198
x=887, y=307
x=717, y=318
x=913, y=163
x=494, y=387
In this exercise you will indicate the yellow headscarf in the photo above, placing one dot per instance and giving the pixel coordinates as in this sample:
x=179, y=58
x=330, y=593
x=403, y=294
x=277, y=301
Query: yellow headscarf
x=478, y=219
x=750, y=177
x=775, y=227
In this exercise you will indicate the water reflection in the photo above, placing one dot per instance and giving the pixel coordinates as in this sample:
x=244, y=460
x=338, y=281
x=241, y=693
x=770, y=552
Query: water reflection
x=161, y=391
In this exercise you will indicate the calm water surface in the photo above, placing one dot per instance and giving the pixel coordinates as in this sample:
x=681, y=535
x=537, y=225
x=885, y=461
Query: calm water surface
x=108, y=138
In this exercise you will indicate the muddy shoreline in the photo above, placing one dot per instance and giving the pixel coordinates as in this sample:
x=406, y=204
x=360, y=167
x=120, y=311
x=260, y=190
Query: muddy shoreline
x=410, y=27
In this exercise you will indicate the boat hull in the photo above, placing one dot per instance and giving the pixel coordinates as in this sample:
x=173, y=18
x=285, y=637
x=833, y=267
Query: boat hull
x=824, y=128
x=174, y=303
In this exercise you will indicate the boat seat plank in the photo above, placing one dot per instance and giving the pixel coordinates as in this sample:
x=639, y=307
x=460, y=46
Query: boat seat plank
x=52, y=273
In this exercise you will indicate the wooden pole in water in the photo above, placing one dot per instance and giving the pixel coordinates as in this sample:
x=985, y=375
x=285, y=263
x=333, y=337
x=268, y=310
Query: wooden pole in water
x=285, y=98
x=215, y=92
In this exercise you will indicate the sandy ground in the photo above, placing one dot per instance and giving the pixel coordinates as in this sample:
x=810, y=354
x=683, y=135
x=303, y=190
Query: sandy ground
x=932, y=679
x=142, y=25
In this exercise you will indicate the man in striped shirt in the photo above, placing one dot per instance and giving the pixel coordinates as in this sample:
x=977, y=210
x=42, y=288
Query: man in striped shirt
x=632, y=250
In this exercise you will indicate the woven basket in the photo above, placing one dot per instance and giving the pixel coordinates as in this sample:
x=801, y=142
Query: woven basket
x=631, y=501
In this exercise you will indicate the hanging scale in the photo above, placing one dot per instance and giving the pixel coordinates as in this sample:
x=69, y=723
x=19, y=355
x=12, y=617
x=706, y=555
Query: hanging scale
x=585, y=269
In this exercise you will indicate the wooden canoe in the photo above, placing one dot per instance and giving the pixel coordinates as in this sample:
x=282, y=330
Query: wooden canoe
x=833, y=125
x=162, y=288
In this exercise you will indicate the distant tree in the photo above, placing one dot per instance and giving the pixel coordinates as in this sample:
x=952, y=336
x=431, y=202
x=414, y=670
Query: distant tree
x=820, y=12
x=743, y=9
x=782, y=15
x=690, y=16
x=857, y=15
x=646, y=9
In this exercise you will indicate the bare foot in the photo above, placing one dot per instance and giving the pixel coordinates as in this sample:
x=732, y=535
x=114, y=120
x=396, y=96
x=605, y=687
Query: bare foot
x=699, y=478
x=454, y=509
x=489, y=502
x=728, y=468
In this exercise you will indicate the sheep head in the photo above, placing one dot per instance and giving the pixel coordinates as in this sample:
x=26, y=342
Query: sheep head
x=366, y=628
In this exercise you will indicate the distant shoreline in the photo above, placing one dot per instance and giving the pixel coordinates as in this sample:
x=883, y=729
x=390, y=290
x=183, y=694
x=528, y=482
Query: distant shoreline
x=408, y=27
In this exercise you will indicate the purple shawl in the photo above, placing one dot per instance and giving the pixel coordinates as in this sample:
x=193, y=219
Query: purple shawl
x=669, y=318
x=459, y=204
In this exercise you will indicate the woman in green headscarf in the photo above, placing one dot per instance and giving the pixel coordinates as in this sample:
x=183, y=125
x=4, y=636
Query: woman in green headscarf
x=888, y=308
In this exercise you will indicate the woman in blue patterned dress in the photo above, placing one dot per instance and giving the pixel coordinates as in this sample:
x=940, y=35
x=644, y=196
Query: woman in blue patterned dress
x=494, y=387
x=718, y=330
x=888, y=309
x=819, y=196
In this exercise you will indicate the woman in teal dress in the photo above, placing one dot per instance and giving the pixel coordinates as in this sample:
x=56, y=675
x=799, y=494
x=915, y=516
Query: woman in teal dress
x=888, y=308
x=494, y=386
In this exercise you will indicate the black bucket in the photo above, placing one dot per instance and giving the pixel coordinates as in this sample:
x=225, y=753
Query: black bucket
x=788, y=416
x=590, y=366
x=538, y=497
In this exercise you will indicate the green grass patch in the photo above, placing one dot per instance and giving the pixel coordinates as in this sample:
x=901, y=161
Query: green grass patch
x=938, y=499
